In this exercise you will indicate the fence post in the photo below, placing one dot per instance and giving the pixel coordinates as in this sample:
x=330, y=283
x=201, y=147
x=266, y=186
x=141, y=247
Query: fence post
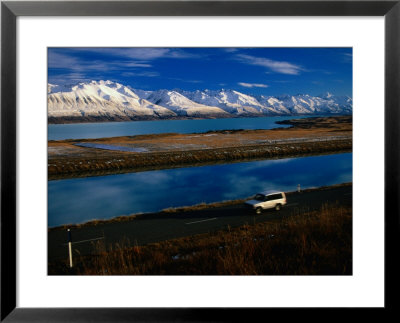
x=70, y=248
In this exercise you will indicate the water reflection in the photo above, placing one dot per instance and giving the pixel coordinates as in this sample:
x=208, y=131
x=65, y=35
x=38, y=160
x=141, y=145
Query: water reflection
x=83, y=199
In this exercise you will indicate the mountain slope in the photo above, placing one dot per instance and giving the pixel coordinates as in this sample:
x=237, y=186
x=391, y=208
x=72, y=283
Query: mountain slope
x=103, y=99
x=182, y=105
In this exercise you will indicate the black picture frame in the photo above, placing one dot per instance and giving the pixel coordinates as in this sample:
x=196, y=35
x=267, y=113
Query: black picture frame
x=10, y=10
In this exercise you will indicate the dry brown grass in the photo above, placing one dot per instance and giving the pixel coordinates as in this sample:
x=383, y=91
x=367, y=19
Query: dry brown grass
x=306, y=243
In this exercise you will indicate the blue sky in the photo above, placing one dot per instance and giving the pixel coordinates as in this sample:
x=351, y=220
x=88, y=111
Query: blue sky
x=268, y=71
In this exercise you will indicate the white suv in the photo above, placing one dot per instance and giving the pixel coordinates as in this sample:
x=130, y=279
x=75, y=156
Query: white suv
x=267, y=200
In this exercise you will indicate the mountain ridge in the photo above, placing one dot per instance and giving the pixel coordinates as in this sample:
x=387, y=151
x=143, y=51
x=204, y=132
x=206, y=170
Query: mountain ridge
x=112, y=101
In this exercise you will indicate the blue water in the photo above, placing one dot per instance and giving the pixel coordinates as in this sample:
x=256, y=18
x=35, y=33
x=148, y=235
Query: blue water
x=130, y=128
x=103, y=197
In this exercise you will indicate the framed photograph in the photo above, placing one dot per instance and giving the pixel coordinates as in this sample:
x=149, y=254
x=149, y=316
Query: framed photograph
x=136, y=134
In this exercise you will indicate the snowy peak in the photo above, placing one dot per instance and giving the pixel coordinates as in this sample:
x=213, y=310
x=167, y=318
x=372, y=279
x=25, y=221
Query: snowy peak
x=108, y=100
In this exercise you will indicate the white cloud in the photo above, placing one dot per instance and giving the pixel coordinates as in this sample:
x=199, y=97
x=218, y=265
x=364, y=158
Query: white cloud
x=127, y=61
x=348, y=57
x=184, y=80
x=276, y=66
x=145, y=74
x=57, y=60
x=231, y=50
x=252, y=84
x=137, y=53
x=65, y=61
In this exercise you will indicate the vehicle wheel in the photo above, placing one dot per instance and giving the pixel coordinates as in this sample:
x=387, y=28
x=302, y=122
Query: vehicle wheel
x=277, y=207
x=258, y=210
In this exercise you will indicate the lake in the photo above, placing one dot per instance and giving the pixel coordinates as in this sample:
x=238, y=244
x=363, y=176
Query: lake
x=103, y=197
x=130, y=128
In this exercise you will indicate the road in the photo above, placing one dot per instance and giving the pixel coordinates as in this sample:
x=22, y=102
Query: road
x=158, y=227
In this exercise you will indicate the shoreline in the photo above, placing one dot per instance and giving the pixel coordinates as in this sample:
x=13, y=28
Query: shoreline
x=53, y=120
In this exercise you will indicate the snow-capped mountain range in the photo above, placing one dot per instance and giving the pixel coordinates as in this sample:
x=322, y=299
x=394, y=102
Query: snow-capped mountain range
x=107, y=100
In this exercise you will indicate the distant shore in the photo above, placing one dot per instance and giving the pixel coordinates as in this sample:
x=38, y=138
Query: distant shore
x=115, y=118
x=309, y=136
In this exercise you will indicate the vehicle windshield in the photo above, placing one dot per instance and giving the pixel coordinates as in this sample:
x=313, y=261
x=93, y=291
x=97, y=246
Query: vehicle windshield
x=259, y=197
